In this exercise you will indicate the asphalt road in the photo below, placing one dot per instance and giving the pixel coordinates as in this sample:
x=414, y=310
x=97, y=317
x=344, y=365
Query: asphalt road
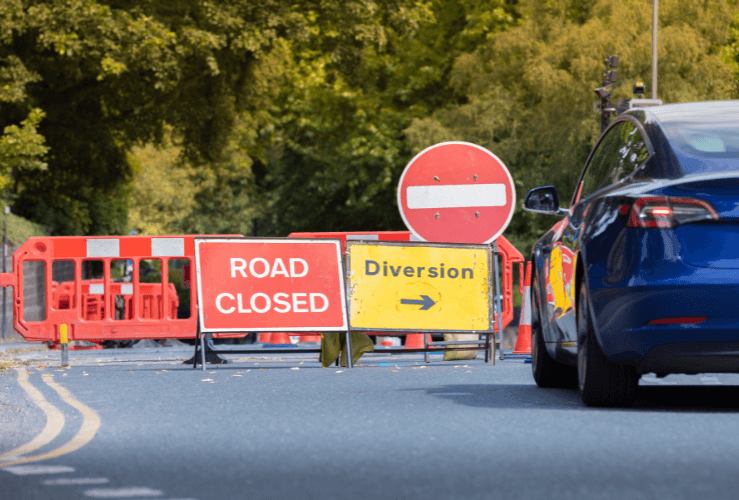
x=392, y=428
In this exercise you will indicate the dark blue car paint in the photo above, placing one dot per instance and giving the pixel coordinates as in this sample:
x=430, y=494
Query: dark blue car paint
x=636, y=275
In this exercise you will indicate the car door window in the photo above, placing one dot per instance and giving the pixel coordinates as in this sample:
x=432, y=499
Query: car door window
x=633, y=151
x=617, y=155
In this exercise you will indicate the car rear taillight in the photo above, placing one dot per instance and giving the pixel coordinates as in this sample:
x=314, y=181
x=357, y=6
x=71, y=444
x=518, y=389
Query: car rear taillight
x=684, y=320
x=667, y=212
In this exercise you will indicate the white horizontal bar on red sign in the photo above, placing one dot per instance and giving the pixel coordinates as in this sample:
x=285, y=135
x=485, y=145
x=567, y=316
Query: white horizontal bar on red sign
x=456, y=196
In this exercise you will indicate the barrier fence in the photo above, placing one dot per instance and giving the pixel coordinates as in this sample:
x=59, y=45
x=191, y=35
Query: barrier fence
x=135, y=287
x=510, y=256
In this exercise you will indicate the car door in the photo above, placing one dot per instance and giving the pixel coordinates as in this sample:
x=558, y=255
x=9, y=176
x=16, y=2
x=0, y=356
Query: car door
x=612, y=161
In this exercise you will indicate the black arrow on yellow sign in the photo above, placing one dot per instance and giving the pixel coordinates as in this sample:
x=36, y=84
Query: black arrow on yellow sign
x=427, y=302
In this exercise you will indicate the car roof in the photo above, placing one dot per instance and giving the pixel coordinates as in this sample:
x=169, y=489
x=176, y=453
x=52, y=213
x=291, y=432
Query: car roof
x=677, y=157
x=684, y=111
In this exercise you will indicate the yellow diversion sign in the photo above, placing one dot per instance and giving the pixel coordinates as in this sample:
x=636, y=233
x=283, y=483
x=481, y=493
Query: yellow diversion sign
x=432, y=287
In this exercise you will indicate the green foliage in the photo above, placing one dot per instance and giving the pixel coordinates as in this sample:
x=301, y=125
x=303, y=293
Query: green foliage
x=202, y=117
x=20, y=229
x=21, y=150
x=338, y=143
x=530, y=88
x=162, y=190
x=109, y=76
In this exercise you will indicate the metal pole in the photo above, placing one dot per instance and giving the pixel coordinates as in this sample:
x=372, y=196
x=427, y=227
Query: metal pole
x=202, y=350
x=197, y=342
x=426, y=346
x=497, y=302
x=655, y=7
x=5, y=260
x=63, y=339
x=349, y=352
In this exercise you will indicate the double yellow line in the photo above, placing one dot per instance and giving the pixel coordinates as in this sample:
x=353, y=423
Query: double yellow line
x=54, y=424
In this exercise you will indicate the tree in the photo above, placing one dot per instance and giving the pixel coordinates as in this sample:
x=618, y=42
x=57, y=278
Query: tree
x=162, y=191
x=109, y=75
x=338, y=143
x=530, y=88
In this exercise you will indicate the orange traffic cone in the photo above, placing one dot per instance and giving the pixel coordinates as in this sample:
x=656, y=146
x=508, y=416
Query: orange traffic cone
x=280, y=338
x=523, y=341
x=264, y=337
x=310, y=338
x=415, y=341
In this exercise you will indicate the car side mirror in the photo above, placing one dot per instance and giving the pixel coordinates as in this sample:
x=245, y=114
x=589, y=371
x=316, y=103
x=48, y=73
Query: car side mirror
x=544, y=200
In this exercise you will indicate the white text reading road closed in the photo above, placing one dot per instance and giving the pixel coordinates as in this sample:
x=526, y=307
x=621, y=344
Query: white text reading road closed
x=261, y=268
x=298, y=302
x=279, y=302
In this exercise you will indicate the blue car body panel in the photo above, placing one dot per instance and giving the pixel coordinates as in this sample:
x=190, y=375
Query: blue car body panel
x=636, y=275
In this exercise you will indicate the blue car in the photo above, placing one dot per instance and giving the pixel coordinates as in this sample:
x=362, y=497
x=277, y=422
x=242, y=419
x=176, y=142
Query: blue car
x=642, y=273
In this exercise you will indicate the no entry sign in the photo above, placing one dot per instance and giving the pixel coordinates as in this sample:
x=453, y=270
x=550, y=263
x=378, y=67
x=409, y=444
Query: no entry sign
x=270, y=284
x=456, y=192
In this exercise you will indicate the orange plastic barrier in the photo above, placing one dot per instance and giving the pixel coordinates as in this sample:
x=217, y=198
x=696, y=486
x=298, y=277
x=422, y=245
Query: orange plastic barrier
x=95, y=305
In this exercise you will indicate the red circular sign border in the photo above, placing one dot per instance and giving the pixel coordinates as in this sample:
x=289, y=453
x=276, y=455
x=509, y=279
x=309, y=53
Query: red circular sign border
x=463, y=143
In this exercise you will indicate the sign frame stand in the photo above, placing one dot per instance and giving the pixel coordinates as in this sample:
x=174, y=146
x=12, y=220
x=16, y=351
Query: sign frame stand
x=349, y=351
x=486, y=337
x=208, y=354
x=202, y=347
x=497, y=304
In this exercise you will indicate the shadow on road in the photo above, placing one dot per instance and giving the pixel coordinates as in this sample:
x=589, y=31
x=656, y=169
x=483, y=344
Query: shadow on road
x=677, y=398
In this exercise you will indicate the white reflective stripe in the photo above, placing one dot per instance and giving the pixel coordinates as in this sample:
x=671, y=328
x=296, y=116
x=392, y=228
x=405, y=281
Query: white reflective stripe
x=76, y=481
x=415, y=238
x=127, y=289
x=104, y=248
x=135, y=491
x=25, y=470
x=456, y=196
x=168, y=247
x=526, y=314
x=362, y=237
x=97, y=289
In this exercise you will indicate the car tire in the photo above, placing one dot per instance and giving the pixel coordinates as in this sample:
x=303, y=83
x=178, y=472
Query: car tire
x=601, y=381
x=547, y=372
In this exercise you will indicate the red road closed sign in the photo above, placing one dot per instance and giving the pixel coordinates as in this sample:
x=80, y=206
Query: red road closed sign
x=456, y=192
x=270, y=284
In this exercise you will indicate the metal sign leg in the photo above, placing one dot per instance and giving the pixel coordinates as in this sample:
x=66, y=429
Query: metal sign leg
x=349, y=351
x=487, y=347
x=498, y=312
x=426, y=346
x=194, y=359
x=202, y=350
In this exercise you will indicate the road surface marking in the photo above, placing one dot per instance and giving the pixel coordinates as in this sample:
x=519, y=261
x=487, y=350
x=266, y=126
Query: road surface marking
x=77, y=481
x=88, y=429
x=27, y=470
x=54, y=420
x=658, y=381
x=456, y=196
x=711, y=380
x=123, y=492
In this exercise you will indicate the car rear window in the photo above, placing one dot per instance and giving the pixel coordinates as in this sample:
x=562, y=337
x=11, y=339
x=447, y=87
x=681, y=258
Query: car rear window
x=705, y=136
